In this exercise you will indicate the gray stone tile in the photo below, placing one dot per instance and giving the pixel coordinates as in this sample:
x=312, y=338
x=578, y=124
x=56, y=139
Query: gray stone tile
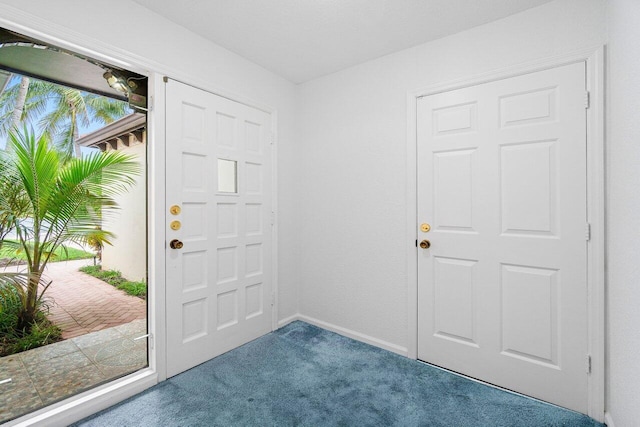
x=142, y=343
x=113, y=372
x=38, y=355
x=10, y=364
x=133, y=357
x=18, y=397
x=123, y=363
x=59, y=365
x=57, y=371
x=67, y=384
x=107, y=350
x=133, y=329
x=98, y=337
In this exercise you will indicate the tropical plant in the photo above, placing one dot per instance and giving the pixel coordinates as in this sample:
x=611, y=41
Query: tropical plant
x=12, y=200
x=58, y=110
x=62, y=200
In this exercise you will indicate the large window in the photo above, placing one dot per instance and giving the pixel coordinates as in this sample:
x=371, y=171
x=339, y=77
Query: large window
x=73, y=229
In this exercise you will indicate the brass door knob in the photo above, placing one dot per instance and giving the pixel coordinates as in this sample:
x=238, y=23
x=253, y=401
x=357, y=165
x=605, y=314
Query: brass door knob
x=176, y=244
x=425, y=244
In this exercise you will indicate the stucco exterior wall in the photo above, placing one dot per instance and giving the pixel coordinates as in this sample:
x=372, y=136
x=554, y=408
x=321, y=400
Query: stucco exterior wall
x=128, y=252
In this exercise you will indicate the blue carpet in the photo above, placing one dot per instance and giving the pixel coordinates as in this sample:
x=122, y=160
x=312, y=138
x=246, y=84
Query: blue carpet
x=302, y=375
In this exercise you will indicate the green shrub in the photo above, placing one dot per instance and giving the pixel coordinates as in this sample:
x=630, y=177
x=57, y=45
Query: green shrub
x=91, y=269
x=42, y=333
x=138, y=289
x=9, y=309
x=14, y=340
x=114, y=278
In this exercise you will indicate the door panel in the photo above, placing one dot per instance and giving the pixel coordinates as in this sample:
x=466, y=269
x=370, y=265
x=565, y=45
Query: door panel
x=218, y=173
x=502, y=292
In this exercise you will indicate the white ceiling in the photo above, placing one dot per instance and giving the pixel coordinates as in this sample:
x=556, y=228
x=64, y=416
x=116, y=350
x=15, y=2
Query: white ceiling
x=304, y=39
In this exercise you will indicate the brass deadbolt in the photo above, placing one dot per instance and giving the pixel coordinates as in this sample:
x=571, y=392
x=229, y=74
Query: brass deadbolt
x=425, y=244
x=176, y=244
x=175, y=225
x=175, y=210
x=424, y=227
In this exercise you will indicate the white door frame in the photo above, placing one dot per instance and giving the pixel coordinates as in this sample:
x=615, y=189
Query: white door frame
x=94, y=400
x=594, y=59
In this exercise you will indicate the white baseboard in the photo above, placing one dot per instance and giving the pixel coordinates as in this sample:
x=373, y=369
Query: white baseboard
x=287, y=320
x=608, y=420
x=349, y=333
x=88, y=403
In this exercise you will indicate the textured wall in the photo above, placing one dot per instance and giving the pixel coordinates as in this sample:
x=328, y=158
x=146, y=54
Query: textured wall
x=623, y=213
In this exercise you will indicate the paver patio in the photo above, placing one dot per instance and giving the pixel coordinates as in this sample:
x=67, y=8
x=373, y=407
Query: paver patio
x=100, y=325
x=80, y=304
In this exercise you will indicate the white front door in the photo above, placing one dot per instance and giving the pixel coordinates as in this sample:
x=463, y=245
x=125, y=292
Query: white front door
x=218, y=210
x=502, y=290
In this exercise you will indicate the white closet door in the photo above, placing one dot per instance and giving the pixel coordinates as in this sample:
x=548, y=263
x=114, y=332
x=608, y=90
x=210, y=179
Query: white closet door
x=502, y=291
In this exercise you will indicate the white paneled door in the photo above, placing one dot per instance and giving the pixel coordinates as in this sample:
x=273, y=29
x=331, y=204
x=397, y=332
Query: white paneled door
x=218, y=210
x=502, y=289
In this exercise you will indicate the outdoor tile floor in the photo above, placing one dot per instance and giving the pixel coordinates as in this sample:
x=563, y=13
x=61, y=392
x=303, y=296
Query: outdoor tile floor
x=44, y=375
x=99, y=324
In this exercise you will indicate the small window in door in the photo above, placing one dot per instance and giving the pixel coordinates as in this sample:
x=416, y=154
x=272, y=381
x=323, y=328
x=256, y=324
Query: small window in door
x=227, y=176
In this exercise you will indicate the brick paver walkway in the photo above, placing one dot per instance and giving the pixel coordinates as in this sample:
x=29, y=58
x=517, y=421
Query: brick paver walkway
x=80, y=304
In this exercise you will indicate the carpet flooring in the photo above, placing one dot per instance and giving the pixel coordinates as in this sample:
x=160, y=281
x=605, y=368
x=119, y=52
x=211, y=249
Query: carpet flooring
x=302, y=375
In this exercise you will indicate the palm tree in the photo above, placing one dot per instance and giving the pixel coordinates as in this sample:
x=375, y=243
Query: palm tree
x=21, y=98
x=12, y=201
x=14, y=108
x=63, y=200
x=59, y=111
x=72, y=108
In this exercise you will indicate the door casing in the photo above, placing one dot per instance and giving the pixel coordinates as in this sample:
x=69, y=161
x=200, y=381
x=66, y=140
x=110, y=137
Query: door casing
x=594, y=59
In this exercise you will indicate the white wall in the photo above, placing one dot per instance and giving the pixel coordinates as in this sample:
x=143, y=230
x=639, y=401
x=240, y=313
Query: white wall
x=128, y=250
x=351, y=174
x=623, y=213
x=169, y=48
x=342, y=185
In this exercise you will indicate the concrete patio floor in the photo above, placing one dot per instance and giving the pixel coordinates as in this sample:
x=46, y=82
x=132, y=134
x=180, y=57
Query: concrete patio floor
x=47, y=374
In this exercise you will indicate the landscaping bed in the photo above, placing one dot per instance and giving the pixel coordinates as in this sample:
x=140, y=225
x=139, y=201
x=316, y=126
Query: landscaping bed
x=114, y=278
x=13, y=340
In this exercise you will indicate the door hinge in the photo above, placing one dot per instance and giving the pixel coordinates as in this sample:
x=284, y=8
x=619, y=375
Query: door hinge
x=587, y=100
x=588, y=363
x=273, y=218
x=587, y=232
x=273, y=299
x=272, y=138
